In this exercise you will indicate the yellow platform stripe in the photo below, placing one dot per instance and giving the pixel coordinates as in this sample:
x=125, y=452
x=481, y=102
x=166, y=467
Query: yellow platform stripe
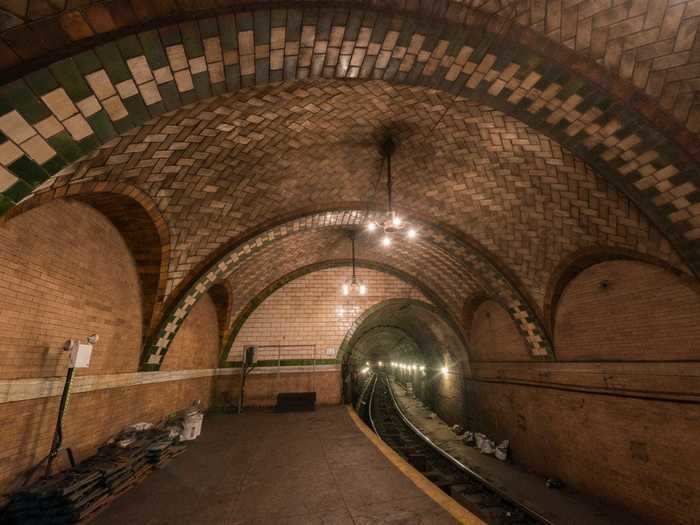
x=458, y=512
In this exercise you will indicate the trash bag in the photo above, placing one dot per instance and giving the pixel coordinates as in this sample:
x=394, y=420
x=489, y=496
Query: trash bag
x=488, y=446
x=479, y=439
x=458, y=429
x=501, y=451
x=469, y=439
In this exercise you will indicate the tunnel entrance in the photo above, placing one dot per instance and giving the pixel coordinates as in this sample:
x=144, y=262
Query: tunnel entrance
x=418, y=344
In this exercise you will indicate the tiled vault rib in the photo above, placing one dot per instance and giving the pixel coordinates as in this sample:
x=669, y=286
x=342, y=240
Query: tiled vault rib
x=523, y=315
x=56, y=114
x=650, y=44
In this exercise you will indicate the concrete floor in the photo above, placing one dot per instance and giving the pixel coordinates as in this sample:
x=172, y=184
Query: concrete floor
x=265, y=468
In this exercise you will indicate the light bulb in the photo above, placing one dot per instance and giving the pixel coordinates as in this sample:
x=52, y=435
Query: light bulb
x=371, y=226
x=444, y=370
x=380, y=363
x=363, y=289
x=346, y=289
x=396, y=220
x=411, y=233
x=422, y=368
x=386, y=241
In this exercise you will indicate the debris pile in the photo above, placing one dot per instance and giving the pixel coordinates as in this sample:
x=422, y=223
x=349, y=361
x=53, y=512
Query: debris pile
x=82, y=491
x=483, y=443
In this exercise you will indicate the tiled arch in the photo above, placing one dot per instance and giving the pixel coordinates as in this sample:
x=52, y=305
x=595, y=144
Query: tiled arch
x=55, y=114
x=493, y=280
x=253, y=303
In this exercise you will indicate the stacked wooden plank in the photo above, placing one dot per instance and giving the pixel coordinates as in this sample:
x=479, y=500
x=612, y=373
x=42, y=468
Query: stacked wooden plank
x=80, y=492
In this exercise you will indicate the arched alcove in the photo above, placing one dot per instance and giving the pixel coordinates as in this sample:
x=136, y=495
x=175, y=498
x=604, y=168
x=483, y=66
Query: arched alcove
x=628, y=310
x=67, y=273
x=493, y=335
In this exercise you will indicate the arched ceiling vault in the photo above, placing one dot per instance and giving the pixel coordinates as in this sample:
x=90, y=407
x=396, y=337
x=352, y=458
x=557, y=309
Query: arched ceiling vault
x=221, y=169
x=436, y=257
x=56, y=113
x=242, y=122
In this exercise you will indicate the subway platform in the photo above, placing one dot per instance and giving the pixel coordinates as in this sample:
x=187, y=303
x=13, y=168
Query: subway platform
x=295, y=468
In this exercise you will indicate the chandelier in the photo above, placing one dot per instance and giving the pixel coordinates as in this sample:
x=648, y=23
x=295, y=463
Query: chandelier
x=391, y=224
x=353, y=286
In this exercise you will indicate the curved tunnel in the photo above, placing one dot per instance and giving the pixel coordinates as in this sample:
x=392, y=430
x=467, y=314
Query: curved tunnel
x=417, y=342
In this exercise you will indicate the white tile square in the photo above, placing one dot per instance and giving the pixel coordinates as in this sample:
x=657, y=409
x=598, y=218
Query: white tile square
x=177, y=57
x=48, y=127
x=198, y=65
x=183, y=79
x=78, y=127
x=9, y=153
x=127, y=89
x=150, y=93
x=163, y=75
x=7, y=179
x=101, y=84
x=115, y=108
x=89, y=106
x=59, y=103
x=14, y=126
x=140, y=69
x=38, y=149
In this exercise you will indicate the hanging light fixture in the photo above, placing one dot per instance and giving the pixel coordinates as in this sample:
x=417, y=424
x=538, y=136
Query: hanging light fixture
x=353, y=286
x=392, y=224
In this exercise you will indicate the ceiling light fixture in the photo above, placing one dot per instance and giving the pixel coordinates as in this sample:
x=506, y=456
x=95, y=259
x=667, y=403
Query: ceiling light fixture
x=353, y=286
x=392, y=224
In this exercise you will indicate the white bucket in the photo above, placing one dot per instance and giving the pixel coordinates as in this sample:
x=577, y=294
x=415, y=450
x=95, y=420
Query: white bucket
x=192, y=427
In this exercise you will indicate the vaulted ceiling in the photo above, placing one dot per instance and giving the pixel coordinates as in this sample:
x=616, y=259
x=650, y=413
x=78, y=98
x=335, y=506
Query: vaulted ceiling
x=526, y=133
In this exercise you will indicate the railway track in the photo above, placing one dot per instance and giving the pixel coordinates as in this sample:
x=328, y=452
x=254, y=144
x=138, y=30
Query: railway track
x=476, y=494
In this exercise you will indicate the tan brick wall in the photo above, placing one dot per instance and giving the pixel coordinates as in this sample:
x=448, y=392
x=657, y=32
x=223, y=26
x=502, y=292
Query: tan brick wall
x=644, y=313
x=197, y=343
x=311, y=311
x=66, y=273
x=27, y=426
x=494, y=337
x=636, y=453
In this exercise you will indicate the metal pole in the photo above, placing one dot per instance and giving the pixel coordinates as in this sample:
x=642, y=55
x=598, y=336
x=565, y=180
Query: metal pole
x=58, y=432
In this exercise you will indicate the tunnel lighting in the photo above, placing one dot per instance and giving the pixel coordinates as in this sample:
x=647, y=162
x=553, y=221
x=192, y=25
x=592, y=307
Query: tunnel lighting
x=386, y=241
x=365, y=370
x=346, y=289
x=371, y=227
x=396, y=221
x=422, y=368
x=367, y=363
x=363, y=289
x=411, y=233
x=444, y=370
x=380, y=363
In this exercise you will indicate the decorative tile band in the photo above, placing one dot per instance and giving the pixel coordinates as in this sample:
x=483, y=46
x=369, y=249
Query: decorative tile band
x=12, y=390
